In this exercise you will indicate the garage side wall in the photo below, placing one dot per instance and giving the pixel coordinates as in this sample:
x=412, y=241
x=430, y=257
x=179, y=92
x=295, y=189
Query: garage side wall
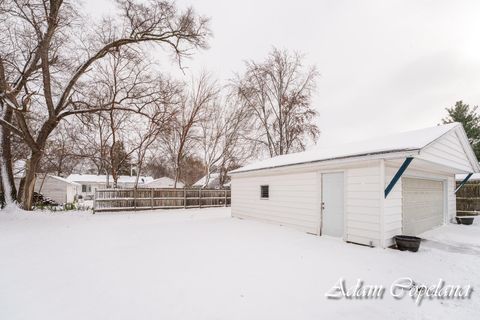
x=362, y=199
x=293, y=200
x=393, y=208
x=451, y=198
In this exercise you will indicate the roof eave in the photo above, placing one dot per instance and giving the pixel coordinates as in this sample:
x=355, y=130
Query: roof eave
x=367, y=156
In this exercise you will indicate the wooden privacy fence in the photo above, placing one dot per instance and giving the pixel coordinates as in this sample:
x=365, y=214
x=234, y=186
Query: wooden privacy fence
x=468, y=199
x=144, y=199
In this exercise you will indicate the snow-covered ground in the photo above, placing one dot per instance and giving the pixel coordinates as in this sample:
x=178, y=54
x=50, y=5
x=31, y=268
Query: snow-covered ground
x=203, y=264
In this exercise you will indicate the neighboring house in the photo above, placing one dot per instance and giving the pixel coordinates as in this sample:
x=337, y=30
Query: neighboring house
x=365, y=192
x=213, y=182
x=163, y=182
x=56, y=188
x=91, y=182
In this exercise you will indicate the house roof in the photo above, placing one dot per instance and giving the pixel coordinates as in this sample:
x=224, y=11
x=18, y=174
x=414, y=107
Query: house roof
x=214, y=177
x=164, y=181
x=93, y=178
x=376, y=148
x=64, y=180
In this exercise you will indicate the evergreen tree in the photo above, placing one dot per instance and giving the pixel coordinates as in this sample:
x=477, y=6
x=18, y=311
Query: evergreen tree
x=121, y=159
x=470, y=120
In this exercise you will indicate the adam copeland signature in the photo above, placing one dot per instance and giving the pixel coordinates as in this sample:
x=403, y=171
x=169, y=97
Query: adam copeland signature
x=400, y=288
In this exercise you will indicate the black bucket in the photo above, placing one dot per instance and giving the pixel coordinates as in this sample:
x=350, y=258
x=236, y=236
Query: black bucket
x=464, y=220
x=409, y=243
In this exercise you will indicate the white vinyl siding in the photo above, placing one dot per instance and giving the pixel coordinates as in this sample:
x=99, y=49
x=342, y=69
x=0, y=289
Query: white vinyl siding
x=57, y=190
x=447, y=151
x=293, y=200
x=393, y=207
x=362, y=200
x=451, y=199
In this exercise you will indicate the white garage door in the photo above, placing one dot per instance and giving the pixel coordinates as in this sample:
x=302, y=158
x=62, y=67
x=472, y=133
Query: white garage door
x=422, y=205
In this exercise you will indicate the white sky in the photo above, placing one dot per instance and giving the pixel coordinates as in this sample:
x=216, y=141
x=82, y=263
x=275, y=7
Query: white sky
x=386, y=66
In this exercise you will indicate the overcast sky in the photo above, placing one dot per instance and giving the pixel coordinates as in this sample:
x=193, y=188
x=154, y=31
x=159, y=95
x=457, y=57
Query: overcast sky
x=386, y=66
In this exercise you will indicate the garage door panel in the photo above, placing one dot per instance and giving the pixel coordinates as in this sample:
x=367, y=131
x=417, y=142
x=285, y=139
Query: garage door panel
x=423, y=205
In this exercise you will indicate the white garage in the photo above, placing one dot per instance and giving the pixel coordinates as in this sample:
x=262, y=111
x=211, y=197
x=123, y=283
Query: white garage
x=364, y=192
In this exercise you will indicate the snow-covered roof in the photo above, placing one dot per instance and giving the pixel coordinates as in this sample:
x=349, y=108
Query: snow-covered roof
x=405, y=141
x=64, y=180
x=214, y=177
x=93, y=178
x=163, y=182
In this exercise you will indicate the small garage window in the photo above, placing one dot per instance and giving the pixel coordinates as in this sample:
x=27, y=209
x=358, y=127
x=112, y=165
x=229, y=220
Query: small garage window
x=264, y=192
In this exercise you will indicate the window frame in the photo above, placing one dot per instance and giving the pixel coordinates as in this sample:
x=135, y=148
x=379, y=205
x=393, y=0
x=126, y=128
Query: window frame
x=261, y=191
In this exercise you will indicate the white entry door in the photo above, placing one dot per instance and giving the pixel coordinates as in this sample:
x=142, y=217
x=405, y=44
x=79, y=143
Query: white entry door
x=423, y=203
x=332, y=204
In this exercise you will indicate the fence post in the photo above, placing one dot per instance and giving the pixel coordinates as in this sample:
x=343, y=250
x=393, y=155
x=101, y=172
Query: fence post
x=94, y=201
x=184, y=198
x=225, y=197
x=200, y=197
x=151, y=198
x=135, y=199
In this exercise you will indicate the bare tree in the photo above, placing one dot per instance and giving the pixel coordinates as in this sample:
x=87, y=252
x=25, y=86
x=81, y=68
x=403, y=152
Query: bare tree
x=45, y=63
x=155, y=165
x=140, y=106
x=192, y=169
x=60, y=150
x=120, y=82
x=222, y=133
x=184, y=127
x=130, y=124
x=278, y=93
x=212, y=129
x=92, y=142
x=159, y=113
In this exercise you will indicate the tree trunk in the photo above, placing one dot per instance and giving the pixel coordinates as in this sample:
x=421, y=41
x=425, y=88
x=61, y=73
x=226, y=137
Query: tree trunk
x=7, y=181
x=20, y=189
x=139, y=169
x=29, y=185
x=177, y=175
x=221, y=176
x=207, y=178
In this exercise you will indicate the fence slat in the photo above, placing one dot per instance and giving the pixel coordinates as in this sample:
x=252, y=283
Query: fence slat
x=151, y=198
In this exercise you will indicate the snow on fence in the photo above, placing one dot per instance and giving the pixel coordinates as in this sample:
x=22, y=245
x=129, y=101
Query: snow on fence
x=144, y=199
x=468, y=199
